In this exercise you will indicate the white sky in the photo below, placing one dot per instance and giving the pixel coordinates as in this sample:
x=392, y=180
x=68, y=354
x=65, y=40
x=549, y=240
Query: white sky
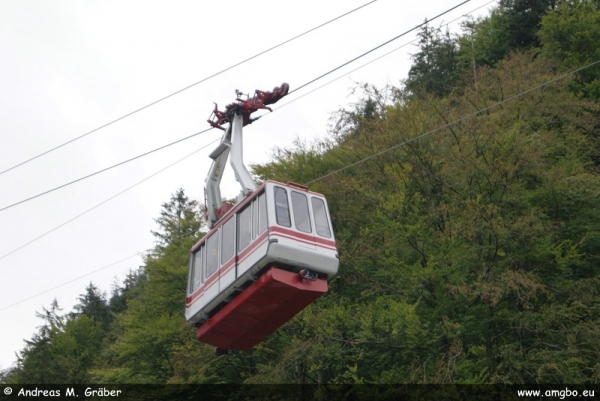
x=67, y=67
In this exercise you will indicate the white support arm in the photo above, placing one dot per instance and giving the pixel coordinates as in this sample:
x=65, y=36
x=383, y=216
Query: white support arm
x=231, y=143
x=212, y=191
x=237, y=157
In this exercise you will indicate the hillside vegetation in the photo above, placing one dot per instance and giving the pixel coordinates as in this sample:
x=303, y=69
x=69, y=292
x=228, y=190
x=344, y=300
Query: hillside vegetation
x=470, y=254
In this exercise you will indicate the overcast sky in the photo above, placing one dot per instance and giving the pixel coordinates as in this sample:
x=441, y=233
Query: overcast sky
x=68, y=67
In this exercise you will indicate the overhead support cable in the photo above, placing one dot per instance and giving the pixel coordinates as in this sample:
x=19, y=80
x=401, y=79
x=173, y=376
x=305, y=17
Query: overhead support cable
x=185, y=157
x=380, y=46
x=93, y=271
x=374, y=60
x=107, y=200
x=453, y=122
x=103, y=170
x=69, y=282
x=198, y=133
x=186, y=88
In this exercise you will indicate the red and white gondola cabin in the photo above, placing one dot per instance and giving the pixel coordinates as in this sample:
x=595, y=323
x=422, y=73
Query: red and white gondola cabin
x=264, y=261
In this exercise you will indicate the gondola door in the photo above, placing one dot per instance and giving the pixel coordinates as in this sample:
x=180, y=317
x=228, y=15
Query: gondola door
x=252, y=234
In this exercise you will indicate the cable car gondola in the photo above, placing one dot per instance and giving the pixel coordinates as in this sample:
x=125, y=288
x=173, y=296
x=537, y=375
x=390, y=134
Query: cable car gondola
x=265, y=258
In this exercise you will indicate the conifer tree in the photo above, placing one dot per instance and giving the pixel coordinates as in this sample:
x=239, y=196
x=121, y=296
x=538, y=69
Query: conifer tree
x=94, y=305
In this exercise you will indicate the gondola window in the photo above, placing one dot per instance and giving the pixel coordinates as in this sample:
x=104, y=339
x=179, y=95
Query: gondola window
x=262, y=214
x=245, y=228
x=198, y=268
x=282, y=209
x=301, y=215
x=320, y=214
x=212, y=257
x=228, y=242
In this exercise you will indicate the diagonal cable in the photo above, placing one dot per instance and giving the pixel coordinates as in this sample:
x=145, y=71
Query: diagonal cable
x=454, y=122
x=184, y=89
x=298, y=98
x=380, y=46
x=68, y=282
x=106, y=200
x=88, y=273
x=103, y=170
x=372, y=61
x=180, y=140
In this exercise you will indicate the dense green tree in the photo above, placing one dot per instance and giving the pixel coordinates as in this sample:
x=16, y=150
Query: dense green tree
x=36, y=362
x=151, y=332
x=571, y=34
x=121, y=292
x=434, y=69
x=522, y=20
x=462, y=253
x=178, y=220
x=76, y=348
x=63, y=350
x=483, y=42
x=511, y=26
x=94, y=305
x=5, y=374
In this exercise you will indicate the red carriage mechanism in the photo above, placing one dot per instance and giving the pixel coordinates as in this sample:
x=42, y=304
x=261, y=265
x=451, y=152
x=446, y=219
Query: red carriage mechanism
x=259, y=101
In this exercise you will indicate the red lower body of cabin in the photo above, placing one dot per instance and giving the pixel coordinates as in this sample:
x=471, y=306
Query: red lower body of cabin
x=259, y=310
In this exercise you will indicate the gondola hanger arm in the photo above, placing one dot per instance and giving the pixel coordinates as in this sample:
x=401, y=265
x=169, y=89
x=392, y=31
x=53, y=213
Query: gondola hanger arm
x=237, y=115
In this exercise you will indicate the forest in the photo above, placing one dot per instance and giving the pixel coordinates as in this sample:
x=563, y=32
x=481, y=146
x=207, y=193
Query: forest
x=466, y=208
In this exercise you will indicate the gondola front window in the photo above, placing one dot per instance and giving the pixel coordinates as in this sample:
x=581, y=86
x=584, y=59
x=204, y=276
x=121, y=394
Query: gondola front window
x=282, y=209
x=301, y=215
x=212, y=255
x=320, y=214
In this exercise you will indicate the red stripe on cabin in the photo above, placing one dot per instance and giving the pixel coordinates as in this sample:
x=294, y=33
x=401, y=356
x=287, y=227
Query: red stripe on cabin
x=293, y=238
x=227, y=266
x=253, y=245
x=311, y=238
x=284, y=232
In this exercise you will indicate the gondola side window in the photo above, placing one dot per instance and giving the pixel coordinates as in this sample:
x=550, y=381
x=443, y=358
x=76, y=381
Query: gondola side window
x=212, y=254
x=196, y=266
x=282, y=209
x=227, y=245
x=245, y=228
x=262, y=214
x=320, y=215
x=191, y=274
x=254, y=218
x=301, y=215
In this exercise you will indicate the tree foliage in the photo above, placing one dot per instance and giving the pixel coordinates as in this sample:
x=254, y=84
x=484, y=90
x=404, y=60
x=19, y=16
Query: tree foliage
x=62, y=351
x=572, y=35
x=463, y=253
x=434, y=69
